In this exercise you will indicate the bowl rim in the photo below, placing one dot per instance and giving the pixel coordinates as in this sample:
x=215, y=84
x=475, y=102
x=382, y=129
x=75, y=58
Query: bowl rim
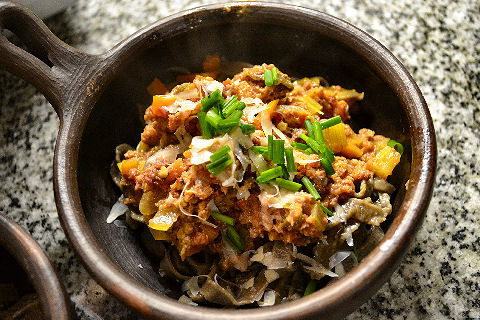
x=27, y=253
x=336, y=300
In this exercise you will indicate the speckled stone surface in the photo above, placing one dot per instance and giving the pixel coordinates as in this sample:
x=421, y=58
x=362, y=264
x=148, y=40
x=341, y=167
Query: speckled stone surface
x=439, y=43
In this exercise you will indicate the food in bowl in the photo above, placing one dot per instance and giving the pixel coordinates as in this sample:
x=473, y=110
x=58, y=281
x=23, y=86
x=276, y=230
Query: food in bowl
x=254, y=188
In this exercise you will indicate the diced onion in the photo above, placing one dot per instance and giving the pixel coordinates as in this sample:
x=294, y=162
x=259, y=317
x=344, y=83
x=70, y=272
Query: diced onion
x=268, y=299
x=168, y=155
x=118, y=209
x=337, y=258
x=253, y=107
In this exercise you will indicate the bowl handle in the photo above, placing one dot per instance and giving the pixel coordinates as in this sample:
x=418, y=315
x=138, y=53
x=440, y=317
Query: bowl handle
x=51, y=65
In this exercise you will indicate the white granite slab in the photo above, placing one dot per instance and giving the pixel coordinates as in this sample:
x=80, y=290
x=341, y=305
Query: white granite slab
x=439, y=43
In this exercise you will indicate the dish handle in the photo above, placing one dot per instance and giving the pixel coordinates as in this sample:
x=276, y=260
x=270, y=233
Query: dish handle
x=51, y=65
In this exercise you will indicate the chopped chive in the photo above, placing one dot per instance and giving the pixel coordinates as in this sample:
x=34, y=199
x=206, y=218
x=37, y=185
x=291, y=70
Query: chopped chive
x=204, y=125
x=260, y=149
x=235, y=239
x=327, y=166
x=328, y=212
x=300, y=146
x=223, y=158
x=311, y=287
x=317, y=132
x=396, y=145
x=330, y=122
x=309, y=151
x=287, y=184
x=355, y=252
x=241, y=105
x=232, y=121
x=285, y=173
x=270, y=147
x=213, y=117
x=247, y=128
x=217, y=167
x=311, y=142
x=309, y=127
x=218, y=216
x=270, y=174
x=311, y=188
x=275, y=75
x=220, y=153
x=268, y=76
x=230, y=106
x=278, y=152
x=211, y=100
x=290, y=160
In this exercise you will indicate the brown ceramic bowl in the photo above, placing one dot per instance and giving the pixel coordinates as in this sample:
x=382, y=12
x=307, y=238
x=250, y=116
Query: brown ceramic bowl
x=19, y=250
x=96, y=99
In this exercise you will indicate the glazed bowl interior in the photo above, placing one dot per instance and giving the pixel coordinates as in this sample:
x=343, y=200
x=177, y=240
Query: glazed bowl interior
x=297, y=47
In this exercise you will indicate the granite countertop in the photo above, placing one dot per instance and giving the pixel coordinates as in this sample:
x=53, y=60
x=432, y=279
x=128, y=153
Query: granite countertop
x=438, y=42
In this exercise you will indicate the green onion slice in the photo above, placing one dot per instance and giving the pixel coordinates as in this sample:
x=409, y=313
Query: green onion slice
x=396, y=145
x=204, y=126
x=309, y=127
x=220, y=153
x=232, y=121
x=229, y=106
x=309, y=151
x=270, y=147
x=317, y=132
x=311, y=287
x=328, y=212
x=260, y=149
x=300, y=146
x=290, y=160
x=268, y=76
x=312, y=143
x=213, y=117
x=330, y=122
x=285, y=173
x=235, y=239
x=216, y=168
x=213, y=99
x=270, y=174
x=278, y=152
x=218, y=216
x=275, y=75
x=311, y=188
x=287, y=184
x=247, y=128
x=327, y=165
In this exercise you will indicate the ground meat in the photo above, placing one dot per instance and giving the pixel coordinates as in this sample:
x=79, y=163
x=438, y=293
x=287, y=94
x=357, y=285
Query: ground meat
x=251, y=84
x=347, y=173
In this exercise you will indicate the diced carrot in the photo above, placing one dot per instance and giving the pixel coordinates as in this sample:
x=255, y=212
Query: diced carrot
x=174, y=171
x=211, y=63
x=128, y=164
x=161, y=101
x=156, y=87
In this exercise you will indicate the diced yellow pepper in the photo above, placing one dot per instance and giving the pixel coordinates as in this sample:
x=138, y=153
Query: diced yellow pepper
x=352, y=151
x=163, y=220
x=384, y=162
x=312, y=105
x=159, y=235
x=335, y=137
x=128, y=164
